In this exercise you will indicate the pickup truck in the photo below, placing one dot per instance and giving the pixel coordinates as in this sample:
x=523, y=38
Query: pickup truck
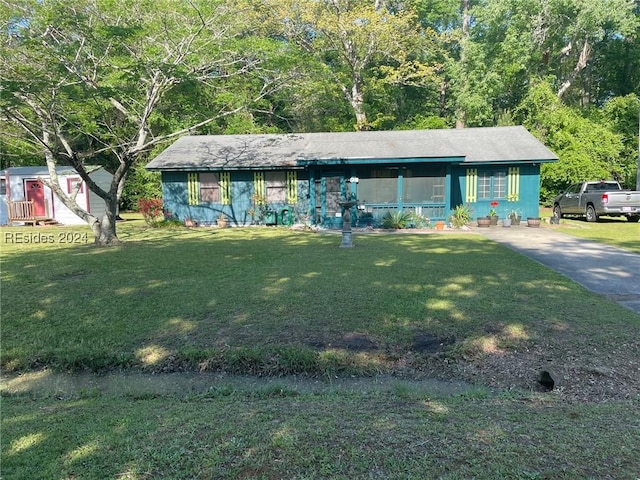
x=593, y=199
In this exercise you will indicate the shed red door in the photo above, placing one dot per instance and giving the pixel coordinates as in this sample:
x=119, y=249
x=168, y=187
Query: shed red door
x=35, y=194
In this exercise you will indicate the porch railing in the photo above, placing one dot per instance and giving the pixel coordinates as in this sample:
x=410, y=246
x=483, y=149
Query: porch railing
x=431, y=211
x=21, y=212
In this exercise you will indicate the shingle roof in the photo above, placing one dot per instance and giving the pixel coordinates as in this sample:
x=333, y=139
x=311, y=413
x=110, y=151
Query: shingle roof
x=234, y=152
x=43, y=171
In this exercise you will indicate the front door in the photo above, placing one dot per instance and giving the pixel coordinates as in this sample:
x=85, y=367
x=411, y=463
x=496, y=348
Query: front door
x=333, y=193
x=329, y=191
x=35, y=194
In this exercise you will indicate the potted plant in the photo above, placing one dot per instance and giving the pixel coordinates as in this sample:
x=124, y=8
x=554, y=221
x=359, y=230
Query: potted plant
x=493, y=212
x=515, y=216
x=222, y=221
x=460, y=216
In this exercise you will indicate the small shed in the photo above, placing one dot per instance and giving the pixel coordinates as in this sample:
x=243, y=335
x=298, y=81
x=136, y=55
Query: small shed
x=26, y=199
x=308, y=175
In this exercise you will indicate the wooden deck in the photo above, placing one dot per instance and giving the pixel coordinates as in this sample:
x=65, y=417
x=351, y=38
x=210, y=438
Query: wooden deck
x=24, y=212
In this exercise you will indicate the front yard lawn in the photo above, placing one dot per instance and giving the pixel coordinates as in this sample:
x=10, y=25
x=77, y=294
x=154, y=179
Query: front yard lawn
x=273, y=302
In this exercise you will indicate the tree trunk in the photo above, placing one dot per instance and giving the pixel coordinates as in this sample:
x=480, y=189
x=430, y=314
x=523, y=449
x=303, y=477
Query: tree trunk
x=361, y=119
x=355, y=98
x=585, y=56
x=638, y=174
x=461, y=114
x=104, y=229
x=466, y=18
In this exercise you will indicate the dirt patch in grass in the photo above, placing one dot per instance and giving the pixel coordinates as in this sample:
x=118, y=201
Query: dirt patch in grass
x=426, y=343
x=587, y=372
x=583, y=369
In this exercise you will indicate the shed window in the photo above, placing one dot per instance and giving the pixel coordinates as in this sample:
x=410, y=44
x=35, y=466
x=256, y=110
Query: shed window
x=492, y=185
x=72, y=184
x=3, y=186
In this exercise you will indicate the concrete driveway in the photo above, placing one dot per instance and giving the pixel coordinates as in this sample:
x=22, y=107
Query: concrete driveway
x=603, y=269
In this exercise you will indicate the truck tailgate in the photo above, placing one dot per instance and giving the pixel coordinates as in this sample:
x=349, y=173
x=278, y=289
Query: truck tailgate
x=621, y=199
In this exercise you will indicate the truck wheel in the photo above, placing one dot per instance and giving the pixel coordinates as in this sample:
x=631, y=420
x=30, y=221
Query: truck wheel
x=557, y=211
x=634, y=218
x=591, y=214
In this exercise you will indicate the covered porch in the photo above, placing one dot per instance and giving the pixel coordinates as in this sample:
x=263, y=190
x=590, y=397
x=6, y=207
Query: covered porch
x=384, y=188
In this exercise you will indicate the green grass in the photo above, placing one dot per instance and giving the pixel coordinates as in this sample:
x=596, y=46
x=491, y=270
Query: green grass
x=274, y=302
x=617, y=232
x=260, y=435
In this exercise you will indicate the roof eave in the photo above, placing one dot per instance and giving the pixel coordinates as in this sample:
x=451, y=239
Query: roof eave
x=375, y=160
x=198, y=168
x=505, y=162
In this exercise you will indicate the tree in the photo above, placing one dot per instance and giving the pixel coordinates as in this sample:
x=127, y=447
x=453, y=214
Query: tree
x=528, y=39
x=622, y=116
x=586, y=149
x=586, y=26
x=85, y=80
x=356, y=40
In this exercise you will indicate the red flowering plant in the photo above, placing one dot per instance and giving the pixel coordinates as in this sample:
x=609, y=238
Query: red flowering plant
x=151, y=210
x=494, y=209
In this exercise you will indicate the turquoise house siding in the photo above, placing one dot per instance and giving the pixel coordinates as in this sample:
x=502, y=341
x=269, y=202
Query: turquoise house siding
x=315, y=189
x=240, y=207
x=526, y=183
x=530, y=187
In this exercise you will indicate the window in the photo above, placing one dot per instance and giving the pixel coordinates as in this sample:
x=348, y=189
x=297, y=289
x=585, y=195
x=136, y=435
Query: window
x=500, y=185
x=423, y=187
x=275, y=187
x=3, y=186
x=209, y=188
x=492, y=185
x=72, y=184
x=575, y=188
x=380, y=187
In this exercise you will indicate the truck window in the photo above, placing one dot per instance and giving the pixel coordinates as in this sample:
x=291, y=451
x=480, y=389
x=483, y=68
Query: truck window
x=602, y=187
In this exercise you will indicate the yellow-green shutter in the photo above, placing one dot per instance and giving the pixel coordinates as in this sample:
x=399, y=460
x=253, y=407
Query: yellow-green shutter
x=193, y=188
x=513, y=182
x=292, y=187
x=472, y=185
x=258, y=187
x=225, y=188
